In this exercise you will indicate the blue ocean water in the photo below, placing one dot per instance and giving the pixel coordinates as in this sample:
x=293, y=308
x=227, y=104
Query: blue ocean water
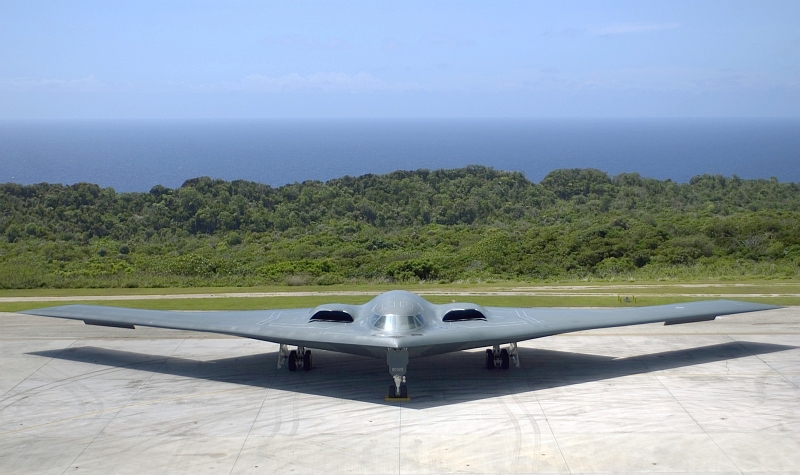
x=136, y=155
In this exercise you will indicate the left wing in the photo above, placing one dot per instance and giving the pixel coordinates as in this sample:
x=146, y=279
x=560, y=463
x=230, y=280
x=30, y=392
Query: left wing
x=287, y=326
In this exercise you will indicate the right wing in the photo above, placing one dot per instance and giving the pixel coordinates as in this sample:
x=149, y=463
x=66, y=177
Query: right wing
x=551, y=321
x=509, y=324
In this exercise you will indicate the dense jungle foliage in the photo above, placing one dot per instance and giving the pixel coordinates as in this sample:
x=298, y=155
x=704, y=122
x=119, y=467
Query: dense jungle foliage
x=474, y=223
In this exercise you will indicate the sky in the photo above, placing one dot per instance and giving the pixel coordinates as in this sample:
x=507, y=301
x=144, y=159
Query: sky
x=171, y=59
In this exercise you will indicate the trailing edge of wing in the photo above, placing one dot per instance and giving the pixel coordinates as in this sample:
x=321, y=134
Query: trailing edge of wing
x=288, y=326
x=252, y=324
x=552, y=321
x=502, y=324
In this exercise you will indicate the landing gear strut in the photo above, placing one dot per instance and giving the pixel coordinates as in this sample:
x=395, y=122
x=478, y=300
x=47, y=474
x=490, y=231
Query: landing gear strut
x=397, y=359
x=502, y=358
x=300, y=358
x=398, y=390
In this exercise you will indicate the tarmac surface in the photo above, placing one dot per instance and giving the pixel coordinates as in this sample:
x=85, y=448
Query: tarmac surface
x=711, y=397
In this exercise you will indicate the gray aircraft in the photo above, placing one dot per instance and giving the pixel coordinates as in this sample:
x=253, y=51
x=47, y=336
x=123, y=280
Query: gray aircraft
x=399, y=325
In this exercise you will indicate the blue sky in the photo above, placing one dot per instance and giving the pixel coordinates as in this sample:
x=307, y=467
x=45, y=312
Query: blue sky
x=281, y=59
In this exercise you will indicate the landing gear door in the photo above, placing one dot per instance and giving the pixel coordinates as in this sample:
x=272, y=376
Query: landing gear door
x=397, y=361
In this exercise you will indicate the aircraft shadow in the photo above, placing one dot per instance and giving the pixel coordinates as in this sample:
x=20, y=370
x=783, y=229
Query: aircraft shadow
x=433, y=381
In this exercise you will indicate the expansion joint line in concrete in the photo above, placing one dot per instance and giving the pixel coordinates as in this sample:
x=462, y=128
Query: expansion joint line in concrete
x=45, y=387
x=684, y=408
x=517, y=434
x=250, y=430
x=537, y=433
x=3, y=396
x=122, y=407
x=767, y=364
x=546, y=419
x=399, y=438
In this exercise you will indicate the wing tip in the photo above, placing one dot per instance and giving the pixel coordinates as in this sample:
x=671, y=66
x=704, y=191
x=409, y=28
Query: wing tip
x=753, y=306
x=45, y=311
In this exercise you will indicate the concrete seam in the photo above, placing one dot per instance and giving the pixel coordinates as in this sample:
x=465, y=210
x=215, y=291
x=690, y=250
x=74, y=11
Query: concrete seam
x=3, y=396
x=517, y=433
x=250, y=430
x=767, y=364
x=123, y=406
x=547, y=420
x=537, y=434
x=655, y=376
x=700, y=426
x=399, y=438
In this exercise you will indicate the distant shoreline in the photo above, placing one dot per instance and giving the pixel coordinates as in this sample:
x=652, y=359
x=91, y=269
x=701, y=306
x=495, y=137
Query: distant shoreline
x=135, y=155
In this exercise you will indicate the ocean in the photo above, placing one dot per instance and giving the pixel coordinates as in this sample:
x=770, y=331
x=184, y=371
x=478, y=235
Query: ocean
x=136, y=155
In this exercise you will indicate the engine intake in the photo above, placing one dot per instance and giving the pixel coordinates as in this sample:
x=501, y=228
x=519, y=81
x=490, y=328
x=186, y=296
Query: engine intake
x=463, y=315
x=339, y=316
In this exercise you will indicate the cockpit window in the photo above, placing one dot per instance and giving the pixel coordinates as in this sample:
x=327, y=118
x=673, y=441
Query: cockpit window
x=397, y=312
x=394, y=323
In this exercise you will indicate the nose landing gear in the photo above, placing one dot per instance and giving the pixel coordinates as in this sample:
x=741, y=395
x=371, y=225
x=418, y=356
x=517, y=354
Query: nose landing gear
x=398, y=390
x=397, y=359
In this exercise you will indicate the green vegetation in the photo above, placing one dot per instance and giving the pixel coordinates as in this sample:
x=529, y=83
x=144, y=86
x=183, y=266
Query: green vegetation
x=473, y=224
x=308, y=302
x=602, y=294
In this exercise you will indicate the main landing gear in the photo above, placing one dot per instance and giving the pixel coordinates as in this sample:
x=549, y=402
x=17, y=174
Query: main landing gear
x=497, y=358
x=297, y=359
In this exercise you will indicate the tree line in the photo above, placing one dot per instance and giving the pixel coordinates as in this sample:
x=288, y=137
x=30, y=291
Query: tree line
x=472, y=223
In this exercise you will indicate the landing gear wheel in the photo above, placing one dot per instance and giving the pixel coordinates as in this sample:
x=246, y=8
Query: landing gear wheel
x=504, y=359
x=392, y=391
x=307, y=360
x=403, y=391
x=489, y=359
x=293, y=360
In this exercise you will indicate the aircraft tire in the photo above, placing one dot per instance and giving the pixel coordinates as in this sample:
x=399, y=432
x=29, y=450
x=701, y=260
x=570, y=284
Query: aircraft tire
x=403, y=390
x=392, y=392
x=489, y=359
x=504, y=359
x=293, y=360
x=307, y=361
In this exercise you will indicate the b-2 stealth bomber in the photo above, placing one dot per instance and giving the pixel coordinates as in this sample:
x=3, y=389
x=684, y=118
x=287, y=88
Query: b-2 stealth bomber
x=400, y=325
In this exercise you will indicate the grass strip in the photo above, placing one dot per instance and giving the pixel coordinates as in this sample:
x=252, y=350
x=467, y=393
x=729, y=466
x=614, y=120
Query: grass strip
x=257, y=303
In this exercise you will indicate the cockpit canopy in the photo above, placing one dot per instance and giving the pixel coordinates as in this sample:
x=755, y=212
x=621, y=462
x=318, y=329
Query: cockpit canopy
x=396, y=323
x=397, y=314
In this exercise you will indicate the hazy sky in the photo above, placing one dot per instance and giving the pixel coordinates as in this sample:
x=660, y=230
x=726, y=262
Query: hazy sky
x=226, y=59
